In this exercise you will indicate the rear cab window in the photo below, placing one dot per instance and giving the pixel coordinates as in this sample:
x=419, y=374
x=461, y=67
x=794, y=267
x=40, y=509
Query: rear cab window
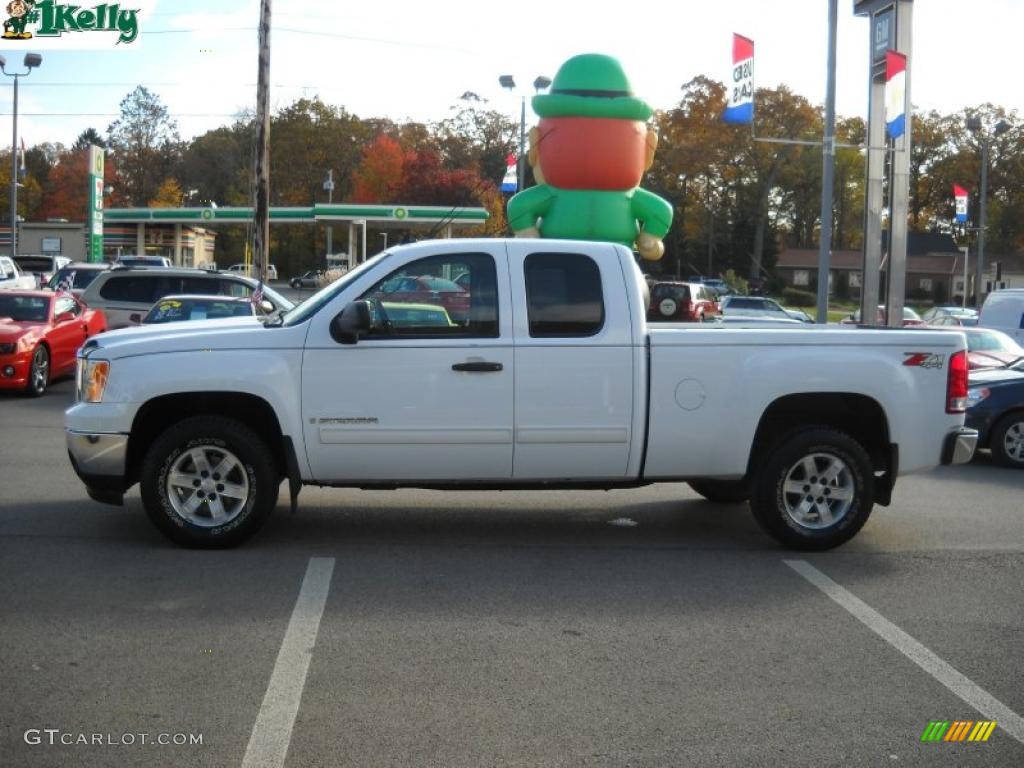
x=564, y=295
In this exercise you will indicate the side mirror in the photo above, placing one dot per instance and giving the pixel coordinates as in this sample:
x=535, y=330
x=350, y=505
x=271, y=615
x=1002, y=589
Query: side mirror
x=266, y=307
x=135, y=317
x=351, y=322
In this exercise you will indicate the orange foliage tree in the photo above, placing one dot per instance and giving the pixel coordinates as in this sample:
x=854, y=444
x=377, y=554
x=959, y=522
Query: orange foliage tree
x=67, y=189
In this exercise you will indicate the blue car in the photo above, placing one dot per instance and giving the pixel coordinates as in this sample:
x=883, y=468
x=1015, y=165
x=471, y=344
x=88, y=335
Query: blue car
x=995, y=407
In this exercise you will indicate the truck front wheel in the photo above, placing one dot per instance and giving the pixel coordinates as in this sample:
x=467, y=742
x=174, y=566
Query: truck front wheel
x=815, y=489
x=209, y=481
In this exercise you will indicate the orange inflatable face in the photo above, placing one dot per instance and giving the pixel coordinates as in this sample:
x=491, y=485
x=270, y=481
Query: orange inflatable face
x=592, y=152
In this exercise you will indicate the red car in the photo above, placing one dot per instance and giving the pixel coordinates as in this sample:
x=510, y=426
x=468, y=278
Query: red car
x=681, y=303
x=427, y=290
x=40, y=334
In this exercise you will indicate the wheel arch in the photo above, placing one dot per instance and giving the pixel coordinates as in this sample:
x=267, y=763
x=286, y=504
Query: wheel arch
x=860, y=416
x=156, y=415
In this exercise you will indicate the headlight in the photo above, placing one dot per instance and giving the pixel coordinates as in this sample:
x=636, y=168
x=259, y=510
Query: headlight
x=92, y=379
x=8, y=347
x=975, y=396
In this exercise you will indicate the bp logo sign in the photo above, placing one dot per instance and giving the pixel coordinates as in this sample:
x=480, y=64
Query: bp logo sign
x=400, y=213
x=26, y=19
x=207, y=214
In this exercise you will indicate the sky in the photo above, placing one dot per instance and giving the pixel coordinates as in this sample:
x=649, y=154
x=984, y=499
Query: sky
x=409, y=59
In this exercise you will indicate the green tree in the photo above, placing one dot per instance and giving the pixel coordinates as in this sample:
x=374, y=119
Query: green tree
x=145, y=141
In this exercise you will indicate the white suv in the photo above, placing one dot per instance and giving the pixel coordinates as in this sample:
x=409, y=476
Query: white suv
x=250, y=270
x=125, y=294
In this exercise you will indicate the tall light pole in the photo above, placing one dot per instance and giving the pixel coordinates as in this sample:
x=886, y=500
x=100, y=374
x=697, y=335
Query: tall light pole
x=975, y=127
x=329, y=186
x=539, y=84
x=32, y=60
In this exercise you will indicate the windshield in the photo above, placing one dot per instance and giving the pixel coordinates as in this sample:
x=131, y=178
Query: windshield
x=25, y=309
x=312, y=305
x=34, y=263
x=992, y=341
x=172, y=310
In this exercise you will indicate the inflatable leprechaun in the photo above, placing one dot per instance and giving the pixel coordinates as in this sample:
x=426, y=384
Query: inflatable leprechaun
x=588, y=154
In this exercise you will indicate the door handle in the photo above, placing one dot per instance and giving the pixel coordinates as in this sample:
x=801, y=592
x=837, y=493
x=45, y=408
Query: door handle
x=478, y=367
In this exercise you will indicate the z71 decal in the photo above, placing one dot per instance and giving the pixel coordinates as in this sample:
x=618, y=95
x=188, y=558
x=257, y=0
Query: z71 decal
x=924, y=359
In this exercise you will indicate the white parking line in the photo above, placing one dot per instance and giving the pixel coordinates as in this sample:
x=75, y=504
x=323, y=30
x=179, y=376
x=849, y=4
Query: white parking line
x=272, y=732
x=977, y=697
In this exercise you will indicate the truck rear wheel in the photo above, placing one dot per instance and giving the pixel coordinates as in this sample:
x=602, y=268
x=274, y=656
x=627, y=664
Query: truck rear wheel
x=209, y=482
x=1007, y=440
x=722, y=491
x=815, y=489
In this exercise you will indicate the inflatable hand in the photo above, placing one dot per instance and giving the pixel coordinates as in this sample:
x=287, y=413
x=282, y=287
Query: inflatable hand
x=650, y=247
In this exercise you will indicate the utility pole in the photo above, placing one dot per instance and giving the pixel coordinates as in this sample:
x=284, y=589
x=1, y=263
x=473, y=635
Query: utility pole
x=828, y=161
x=261, y=222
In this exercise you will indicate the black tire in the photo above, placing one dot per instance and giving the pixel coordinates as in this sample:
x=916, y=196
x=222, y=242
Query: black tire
x=814, y=449
x=722, y=491
x=38, y=372
x=253, y=468
x=1009, y=429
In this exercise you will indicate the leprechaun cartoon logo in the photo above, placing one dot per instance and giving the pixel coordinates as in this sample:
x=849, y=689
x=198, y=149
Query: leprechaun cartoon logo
x=19, y=13
x=589, y=153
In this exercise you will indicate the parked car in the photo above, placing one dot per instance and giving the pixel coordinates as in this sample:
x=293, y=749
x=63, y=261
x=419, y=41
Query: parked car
x=426, y=289
x=310, y=279
x=673, y=302
x=986, y=347
x=995, y=407
x=126, y=294
x=40, y=334
x=11, y=276
x=1004, y=311
x=761, y=306
x=417, y=315
x=177, y=308
x=953, y=315
x=555, y=381
x=42, y=266
x=910, y=317
x=75, y=277
x=144, y=261
x=250, y=270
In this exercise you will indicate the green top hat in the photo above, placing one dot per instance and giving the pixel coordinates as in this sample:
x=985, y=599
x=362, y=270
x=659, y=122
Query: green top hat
x=591, y=85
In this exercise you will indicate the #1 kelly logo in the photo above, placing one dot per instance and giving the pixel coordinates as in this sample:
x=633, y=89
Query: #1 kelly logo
x=52, y=19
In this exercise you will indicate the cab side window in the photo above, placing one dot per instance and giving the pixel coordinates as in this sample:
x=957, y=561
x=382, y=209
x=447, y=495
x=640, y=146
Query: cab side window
x=564, y=296
x=438, y=296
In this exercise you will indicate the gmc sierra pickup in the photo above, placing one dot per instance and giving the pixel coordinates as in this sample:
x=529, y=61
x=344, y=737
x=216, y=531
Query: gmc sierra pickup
x=510, y=364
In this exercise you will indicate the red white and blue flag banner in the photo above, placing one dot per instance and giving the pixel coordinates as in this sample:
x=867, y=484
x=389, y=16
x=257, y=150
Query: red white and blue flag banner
x=960, y=198
x=508, y=184
x=740, y=83
x=895, y=93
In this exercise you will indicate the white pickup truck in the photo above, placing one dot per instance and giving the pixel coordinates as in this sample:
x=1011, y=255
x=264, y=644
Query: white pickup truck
x=11, y=276
x=510, y=364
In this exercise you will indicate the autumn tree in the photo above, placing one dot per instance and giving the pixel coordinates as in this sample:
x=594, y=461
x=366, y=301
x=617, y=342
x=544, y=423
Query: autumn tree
x=168, y=195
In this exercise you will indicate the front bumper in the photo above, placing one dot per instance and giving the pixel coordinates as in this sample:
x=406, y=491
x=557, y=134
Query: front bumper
x=959, y=446
x=21, y=363
x=99, y=460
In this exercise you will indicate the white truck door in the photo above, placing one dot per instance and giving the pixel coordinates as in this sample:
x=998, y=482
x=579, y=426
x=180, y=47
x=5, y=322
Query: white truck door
x=429, y=397
x=573, y=362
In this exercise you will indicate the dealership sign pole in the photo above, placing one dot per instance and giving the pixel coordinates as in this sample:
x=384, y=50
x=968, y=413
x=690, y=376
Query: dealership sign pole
x=95, y=220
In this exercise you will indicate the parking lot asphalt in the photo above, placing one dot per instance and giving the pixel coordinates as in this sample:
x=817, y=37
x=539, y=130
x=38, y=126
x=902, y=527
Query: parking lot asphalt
x=638, y=627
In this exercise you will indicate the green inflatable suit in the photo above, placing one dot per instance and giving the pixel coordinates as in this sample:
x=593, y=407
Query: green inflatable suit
x=589, y=153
